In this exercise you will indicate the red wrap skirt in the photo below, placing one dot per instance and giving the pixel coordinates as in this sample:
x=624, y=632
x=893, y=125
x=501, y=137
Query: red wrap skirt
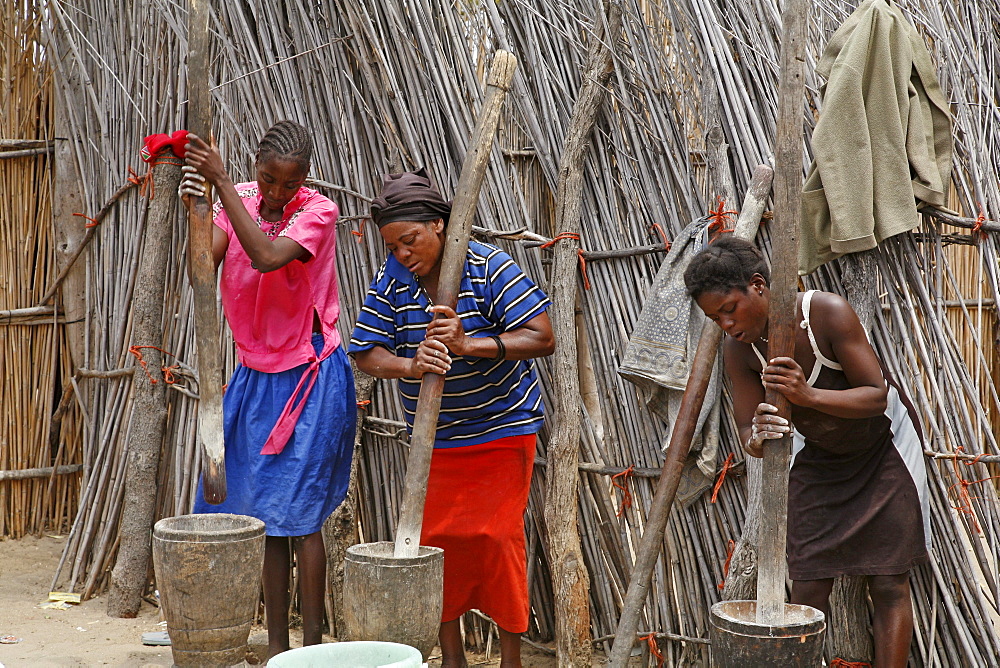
x=476, y=498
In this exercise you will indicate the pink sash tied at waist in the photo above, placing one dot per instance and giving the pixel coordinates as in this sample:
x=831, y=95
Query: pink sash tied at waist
x=283, y=429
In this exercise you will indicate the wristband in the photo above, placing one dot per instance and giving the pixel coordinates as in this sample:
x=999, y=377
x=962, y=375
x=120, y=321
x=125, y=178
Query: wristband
x=501, y=348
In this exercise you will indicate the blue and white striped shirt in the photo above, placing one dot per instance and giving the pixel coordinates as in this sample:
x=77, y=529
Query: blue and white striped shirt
x=483, y=400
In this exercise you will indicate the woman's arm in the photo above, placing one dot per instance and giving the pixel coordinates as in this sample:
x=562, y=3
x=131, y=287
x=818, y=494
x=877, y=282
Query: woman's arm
x=754, y=419
x=266, y=254
x=532, y=339
x=220, y=243
x=431, y=357
x=841, y=337
x=446, y=337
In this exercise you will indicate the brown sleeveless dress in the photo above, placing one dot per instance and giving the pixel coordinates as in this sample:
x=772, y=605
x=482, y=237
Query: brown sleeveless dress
x=857, y=488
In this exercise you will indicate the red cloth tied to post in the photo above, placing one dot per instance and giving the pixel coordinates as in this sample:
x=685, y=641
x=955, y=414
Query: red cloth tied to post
x=153, y=145
x=476, y=498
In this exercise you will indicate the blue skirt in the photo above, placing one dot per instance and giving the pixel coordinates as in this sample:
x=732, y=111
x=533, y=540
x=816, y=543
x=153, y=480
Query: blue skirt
x=294, y=491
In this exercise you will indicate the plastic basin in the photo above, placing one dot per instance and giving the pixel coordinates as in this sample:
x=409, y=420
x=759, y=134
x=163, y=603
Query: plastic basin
x=359, y=654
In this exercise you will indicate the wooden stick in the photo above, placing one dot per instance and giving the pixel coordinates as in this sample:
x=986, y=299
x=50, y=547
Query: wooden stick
x=570, y=579
x=782, y=316
x=43, y=472
x=31, y=311
x=982, y=459
x=680, y=443
x=418, y=466
x=26, y=152
x=8, y=144
x=958, y=221
x=201, y=269
x=149, y=415
x=113, y=373
x=91, y=232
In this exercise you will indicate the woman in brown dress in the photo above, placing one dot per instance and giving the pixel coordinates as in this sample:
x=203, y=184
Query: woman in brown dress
x=857, y=488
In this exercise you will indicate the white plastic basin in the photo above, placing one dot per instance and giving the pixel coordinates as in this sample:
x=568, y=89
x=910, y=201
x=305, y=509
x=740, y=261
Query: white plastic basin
x=358, y=654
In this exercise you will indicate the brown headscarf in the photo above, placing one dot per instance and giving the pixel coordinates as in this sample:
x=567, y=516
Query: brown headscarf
x=409, y=196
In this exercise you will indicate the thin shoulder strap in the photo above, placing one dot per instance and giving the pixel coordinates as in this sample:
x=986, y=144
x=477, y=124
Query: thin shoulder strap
x=821, y=359
x=763, y=362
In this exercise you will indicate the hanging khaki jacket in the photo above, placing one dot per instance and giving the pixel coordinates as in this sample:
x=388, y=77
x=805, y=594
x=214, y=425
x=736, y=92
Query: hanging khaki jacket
x=883, y=140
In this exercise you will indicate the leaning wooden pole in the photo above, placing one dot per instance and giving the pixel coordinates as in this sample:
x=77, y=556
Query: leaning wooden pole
x=201, y=268
x=149, y=391
x=680, y=442
x=463, y=209
x=782, y=317
x=570, y=580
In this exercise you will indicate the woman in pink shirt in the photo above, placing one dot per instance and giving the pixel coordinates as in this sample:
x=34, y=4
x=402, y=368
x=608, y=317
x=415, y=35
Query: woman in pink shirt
x=289, y=408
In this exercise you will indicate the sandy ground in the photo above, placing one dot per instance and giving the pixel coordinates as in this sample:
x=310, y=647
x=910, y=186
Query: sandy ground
x=84, y=635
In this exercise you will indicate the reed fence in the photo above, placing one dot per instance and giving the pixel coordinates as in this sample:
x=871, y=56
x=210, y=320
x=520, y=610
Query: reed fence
x=34, y=362
x=396, y=85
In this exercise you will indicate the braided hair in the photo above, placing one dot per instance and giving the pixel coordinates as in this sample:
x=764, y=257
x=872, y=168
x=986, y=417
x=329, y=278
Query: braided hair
x=286, y=140
x=727, y=264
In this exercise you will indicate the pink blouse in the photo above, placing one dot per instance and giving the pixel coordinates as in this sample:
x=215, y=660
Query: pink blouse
x=271, y=314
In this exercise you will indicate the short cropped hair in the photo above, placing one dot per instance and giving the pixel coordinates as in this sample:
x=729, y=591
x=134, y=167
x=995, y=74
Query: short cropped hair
x=726, y=264
x=286, y=140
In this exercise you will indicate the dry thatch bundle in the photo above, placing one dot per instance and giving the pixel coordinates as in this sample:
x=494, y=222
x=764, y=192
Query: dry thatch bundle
x=34, y=360
x=397, y=85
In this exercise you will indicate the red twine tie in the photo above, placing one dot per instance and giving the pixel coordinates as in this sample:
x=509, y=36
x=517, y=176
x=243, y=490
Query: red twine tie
x=977, y=226
x=364, y=404
x=93, y=221
x=144, y=182
x=168, y=371
x=720, y=218
x=964, y=499
x=626, y=494
x=579, y=254
x=360, y=232
x=728, y=464
x=729, y=557
x=843, y=663
x=666, y=243
x=654, y=648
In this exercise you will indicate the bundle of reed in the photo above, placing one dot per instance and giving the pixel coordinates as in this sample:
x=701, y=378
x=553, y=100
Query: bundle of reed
x=378, y=102
x=36, y=495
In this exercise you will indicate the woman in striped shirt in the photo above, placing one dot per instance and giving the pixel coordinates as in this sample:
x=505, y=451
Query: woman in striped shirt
x=491, y=408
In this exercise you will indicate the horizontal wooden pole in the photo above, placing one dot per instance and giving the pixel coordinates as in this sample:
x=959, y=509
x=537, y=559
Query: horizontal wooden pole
x=659, y=635
x=399, y=431
x=958, y=303
x=326, y=185
x=26, y=312
x=15, y=322
x=958, y=221
x=25, y=143
x=982, y=459
x=114, y=373
x=26, y=153
x=44, y=472
x=608, y=470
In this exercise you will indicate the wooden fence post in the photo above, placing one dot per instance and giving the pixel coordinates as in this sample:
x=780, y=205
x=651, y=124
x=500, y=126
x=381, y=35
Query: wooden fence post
x=570, y=581
x=149, y=410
